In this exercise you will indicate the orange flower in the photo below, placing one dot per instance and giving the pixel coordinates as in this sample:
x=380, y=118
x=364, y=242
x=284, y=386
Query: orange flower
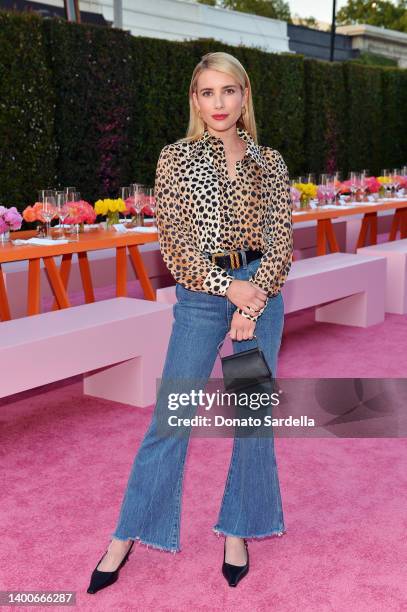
x=38, y=208
x=29, y=214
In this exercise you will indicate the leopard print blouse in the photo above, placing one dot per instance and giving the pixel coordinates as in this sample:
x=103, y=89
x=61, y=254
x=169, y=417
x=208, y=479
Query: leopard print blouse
x=199, y=210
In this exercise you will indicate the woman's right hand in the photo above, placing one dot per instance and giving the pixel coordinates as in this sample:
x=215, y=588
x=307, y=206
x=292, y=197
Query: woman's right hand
x=247, y=296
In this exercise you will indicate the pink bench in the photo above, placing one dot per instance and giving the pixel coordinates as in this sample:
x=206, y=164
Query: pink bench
x=350, y=286
x=119, y=345
x=396, y=279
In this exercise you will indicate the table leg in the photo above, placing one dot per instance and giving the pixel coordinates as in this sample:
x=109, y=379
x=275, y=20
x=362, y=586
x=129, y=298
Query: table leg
x=326, y=234
x=403, y=224
x=369, y=221
x=321, y=238
x=373, y=227
x=121, y=272
x=64, y=271
x=396, y=224
x=4, y=305
x=86, y=277
x=330, y=234
x=56, y=283
x=140, y=270
x=33, y=301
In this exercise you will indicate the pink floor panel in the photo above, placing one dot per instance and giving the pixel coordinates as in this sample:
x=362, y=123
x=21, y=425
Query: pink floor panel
x=65, y=462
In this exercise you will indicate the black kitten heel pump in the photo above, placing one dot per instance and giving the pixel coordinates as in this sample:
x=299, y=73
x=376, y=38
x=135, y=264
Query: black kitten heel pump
x=234, y=573
x=100, y=580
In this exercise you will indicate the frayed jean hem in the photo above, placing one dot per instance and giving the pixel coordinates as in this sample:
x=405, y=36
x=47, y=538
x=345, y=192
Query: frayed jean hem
x=272, y=534
x=148, y=544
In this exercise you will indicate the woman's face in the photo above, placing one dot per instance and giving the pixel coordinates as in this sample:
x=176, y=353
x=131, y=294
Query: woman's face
x=219, y=99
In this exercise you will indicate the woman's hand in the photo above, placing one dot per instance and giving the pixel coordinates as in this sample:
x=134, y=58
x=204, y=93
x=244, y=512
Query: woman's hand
x=246, y=295
x=241, y=328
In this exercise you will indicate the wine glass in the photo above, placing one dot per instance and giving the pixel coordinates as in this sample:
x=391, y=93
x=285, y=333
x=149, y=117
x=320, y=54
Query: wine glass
x=331, y=188
x=396, y=182
x=70, y=199
x=46, y=193
x=62, y=209
x=386, y=174
x=127, y=198
x=69, y=190
x=354, y=178
x=138, y=194
x=364, y=185
x=323, y=186
x=149, y=200
x=153, y=205
x=48, y=212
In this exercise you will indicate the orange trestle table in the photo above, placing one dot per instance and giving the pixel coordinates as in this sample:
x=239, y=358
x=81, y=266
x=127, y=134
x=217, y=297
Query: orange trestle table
x=325, y=232
x=89, y=240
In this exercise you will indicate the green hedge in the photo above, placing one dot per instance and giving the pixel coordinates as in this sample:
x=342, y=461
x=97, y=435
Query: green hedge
x=92, y=107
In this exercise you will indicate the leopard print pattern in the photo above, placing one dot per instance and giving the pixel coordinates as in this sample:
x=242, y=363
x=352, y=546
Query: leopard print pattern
x=200, y=211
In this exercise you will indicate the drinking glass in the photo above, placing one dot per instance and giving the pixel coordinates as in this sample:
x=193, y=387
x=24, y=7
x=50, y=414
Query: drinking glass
x=396, y=173
x=323, y=189
x=46, y=193
x=126, y=196
x=149, y=199
x=387, y=187
x=70, y=198
x=331, y=189
x=138, y=193
x=69, y=190
x=364, y=185
x=62, y=209
x=48, y=212
x=354, y=178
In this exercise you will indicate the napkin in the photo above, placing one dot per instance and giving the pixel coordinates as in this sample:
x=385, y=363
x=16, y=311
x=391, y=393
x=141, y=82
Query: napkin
x=334, y=207
x=41, y=241
x=139, y=229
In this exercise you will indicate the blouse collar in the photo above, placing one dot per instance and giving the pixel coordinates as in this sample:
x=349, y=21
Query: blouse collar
x=207, y=140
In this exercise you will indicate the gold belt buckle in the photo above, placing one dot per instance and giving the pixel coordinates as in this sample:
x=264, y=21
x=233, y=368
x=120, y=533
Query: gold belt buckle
x=234, y=260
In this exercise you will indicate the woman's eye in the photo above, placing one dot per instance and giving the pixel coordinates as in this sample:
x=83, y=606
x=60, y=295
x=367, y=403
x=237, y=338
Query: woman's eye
x=208, y=93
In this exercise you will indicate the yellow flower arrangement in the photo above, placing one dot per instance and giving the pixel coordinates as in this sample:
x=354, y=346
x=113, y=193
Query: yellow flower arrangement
x=308, y=191
x=110, y=208
x=383, y=179
x=103, y=207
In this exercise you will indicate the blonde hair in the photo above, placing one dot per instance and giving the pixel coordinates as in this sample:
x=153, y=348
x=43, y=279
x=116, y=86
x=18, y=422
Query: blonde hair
x=223, y=62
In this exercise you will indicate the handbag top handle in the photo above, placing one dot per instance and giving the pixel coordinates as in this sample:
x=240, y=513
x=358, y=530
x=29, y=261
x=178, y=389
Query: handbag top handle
x=222, y=341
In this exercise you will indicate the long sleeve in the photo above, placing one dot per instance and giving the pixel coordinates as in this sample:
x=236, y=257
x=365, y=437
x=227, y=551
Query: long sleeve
x=278, y=235
x=184, y=260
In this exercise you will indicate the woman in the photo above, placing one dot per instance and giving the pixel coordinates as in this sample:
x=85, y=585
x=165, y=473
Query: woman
x=225, y=230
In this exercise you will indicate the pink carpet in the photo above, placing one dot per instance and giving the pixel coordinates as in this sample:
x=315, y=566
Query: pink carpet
x=66, y=459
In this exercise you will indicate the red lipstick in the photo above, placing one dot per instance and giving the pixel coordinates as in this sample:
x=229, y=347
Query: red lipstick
x=220, y=117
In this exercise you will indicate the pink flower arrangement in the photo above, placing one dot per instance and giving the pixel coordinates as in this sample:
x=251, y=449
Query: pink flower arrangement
x=80, y=212
x=10, y=219
x=372, y=183
x=402, y=181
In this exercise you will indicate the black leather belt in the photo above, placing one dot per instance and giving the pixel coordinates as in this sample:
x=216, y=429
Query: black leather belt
x=233, y=259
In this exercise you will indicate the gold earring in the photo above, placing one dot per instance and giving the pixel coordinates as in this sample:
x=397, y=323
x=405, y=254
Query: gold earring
x=243, y=110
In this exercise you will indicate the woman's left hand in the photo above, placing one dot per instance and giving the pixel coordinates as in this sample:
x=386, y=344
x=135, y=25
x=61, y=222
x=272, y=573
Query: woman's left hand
x=241, y=328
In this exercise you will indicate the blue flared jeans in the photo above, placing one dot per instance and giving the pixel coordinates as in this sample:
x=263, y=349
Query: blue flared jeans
x=251, y=506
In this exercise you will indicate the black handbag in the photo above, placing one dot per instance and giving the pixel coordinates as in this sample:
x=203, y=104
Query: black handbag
x=247, y=372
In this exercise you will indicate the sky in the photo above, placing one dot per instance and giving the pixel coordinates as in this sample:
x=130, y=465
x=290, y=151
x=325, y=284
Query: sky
x=320, y=9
